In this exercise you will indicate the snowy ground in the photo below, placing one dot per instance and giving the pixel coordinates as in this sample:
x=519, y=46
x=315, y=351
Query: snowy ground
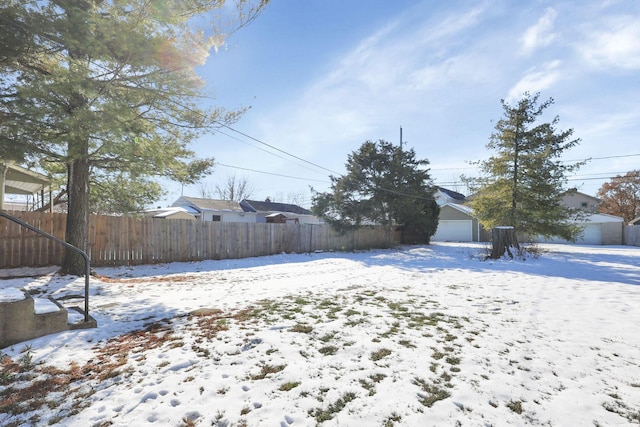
x=419, y=336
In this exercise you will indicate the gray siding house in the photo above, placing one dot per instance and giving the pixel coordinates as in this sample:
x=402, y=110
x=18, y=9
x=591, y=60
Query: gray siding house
x=214, y=210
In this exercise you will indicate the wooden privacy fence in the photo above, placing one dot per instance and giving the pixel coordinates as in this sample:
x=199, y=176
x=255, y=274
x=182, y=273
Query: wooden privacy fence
x=135, y=241
x=631, y=235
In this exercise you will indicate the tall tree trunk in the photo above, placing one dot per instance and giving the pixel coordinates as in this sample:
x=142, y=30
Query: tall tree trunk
x=77, y=216
x=514, y=190
x=77, y=189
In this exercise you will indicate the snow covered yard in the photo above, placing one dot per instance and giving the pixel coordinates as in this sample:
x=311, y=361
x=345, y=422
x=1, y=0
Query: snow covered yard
x=419, y=336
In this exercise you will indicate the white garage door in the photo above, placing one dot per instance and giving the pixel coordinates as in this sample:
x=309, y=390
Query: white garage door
x=454, y=231
x=591, y=235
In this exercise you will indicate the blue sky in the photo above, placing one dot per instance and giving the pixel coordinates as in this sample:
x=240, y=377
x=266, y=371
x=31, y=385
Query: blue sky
x=324, y=76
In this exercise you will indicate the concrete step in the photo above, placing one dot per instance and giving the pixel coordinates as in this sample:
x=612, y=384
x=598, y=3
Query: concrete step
x=23, y=318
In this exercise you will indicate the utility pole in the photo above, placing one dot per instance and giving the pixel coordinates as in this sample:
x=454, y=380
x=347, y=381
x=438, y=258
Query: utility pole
x=400, y=138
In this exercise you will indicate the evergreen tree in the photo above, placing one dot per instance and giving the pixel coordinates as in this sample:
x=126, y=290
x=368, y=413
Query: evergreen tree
x=522, y=183
x=383, y=185
x=106, y=91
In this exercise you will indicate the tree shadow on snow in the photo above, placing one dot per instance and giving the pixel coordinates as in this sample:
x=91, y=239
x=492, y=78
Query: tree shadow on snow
x=619, y=264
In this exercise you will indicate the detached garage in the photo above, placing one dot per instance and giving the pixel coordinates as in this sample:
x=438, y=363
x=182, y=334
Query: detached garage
x=598, y=229
x=456, y=224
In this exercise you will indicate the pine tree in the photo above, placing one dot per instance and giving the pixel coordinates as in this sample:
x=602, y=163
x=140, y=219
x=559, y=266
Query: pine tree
x=106, y=92
x=522, y=183
x=383, y=185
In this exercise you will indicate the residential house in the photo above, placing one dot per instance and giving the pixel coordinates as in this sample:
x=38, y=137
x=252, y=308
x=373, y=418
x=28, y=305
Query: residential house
x=268, y=211
x=457, y=223
x=444, y=196
x=577, y=200
x=169, y=213
x=597, y=228
x=214, y=210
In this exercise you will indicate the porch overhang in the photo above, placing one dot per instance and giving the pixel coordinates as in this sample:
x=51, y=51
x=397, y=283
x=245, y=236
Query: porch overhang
x=15, y=179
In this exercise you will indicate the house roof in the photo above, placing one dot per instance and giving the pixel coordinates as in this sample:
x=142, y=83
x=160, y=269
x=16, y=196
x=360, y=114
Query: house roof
x=462, y=208
x=271, y=207
x=19, y=180
x=169, y=212
x=191, y=210
x=599, y=218
x=208, y=204
x=575, y=192
x=452, y=194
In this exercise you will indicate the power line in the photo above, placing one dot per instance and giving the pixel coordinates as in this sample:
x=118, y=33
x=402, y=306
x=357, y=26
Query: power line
x=277, y=149
x=338, y=174
x=262, y=149
x=270, y=173
x=564, y=161
x=400, y=193
x=605, y=158
x=251, y=145
x=379, y=188
x=453, y=169
x=590, y=179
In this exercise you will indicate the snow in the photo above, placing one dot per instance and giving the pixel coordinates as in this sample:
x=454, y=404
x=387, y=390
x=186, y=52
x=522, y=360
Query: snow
x=44, y=305
x=11, y=294
x=420, y=335
x=74, y=317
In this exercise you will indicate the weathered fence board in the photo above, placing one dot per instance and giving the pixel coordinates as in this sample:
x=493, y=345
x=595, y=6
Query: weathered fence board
x=631, y=235
x=134, y=241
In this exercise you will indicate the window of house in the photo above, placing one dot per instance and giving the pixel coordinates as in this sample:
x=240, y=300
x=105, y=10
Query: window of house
x=585, y=204
x=217, y=218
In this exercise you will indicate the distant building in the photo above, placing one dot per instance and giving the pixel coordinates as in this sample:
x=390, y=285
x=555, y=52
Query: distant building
x=246, y=211
x=457, y=222
x=444, y=196
x=214, y=210
x=169, y=213
x=577, y=200
x=268, y=211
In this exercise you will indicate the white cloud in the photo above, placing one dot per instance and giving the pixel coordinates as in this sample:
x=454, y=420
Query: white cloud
x=381, y=78
x=608, y=125
x=617, y=46
x=536, y=80
x=391, y=55
x=448, y=27
x=540, y=34
x=468, y=68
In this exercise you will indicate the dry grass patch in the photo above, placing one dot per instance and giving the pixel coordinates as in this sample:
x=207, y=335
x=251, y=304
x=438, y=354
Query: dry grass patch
x=267, y=369
x=430, y=393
